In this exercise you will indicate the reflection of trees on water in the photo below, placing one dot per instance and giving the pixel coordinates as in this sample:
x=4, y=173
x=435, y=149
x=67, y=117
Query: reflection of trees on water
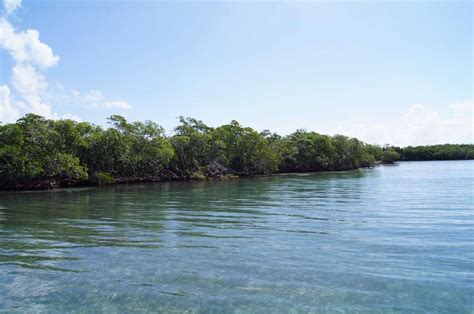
x=38, y=228
x=260, y=203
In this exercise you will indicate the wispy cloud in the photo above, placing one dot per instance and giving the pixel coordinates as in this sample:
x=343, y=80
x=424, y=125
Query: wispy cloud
x=31, y=90
x=420, y=125
x=58, y=94
x=97, y=99
x=11, y=5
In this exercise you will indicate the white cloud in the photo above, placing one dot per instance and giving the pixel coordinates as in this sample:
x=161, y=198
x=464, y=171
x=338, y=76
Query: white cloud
x=95, y=98
x=11, y=5
x=28, y=52
x=90, y=99
x=26, y=46
x=8, y=113
x=31, y=57
x=120, y=104
x=418, y=126
x=30, y=85
x=71, y=117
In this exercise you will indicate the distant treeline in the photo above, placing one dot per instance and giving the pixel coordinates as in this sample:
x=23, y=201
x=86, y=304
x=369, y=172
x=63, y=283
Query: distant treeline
x=36, y=153
x=436, y=152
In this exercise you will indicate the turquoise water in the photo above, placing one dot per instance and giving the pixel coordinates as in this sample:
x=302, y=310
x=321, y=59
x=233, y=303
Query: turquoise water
x=389, y=239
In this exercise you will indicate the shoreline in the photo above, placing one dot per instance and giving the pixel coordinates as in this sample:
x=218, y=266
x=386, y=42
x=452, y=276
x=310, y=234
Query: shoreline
x=222, y=178
x=217, y=179
x=44, y=154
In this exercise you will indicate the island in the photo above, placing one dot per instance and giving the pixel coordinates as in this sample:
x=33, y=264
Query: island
x=38, y=153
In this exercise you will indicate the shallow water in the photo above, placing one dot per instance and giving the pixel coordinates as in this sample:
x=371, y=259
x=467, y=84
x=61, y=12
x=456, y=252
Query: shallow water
x=389, y=239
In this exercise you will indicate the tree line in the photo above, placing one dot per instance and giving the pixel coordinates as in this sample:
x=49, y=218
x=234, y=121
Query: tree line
x=37, y=153
x=436, y=152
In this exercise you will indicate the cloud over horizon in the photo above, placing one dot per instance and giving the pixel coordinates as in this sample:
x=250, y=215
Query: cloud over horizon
x=420, y=125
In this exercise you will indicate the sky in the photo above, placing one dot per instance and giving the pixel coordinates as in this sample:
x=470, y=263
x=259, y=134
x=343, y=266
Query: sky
x=384, y=72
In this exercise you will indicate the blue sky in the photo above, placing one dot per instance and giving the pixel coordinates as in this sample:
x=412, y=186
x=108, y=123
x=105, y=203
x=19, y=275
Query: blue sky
x=398, y=72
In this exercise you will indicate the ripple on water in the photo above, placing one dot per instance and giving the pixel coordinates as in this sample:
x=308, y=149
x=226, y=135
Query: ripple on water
x=388, y=239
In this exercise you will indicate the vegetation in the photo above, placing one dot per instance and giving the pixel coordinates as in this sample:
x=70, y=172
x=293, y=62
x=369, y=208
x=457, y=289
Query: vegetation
x=437, y=152
x=36, y=153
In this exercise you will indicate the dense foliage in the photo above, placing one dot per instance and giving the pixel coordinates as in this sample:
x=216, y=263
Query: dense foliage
x=36, y=153
x=437, y=152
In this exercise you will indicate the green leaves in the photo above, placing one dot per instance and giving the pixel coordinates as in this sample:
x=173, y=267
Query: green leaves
x=40, y=153
x=438, y=152
x=64, y=166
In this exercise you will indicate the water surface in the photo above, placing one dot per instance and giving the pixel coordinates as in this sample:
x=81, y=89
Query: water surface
x=389, y=239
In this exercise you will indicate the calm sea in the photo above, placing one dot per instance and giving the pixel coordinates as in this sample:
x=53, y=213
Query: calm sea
x=390, y=239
